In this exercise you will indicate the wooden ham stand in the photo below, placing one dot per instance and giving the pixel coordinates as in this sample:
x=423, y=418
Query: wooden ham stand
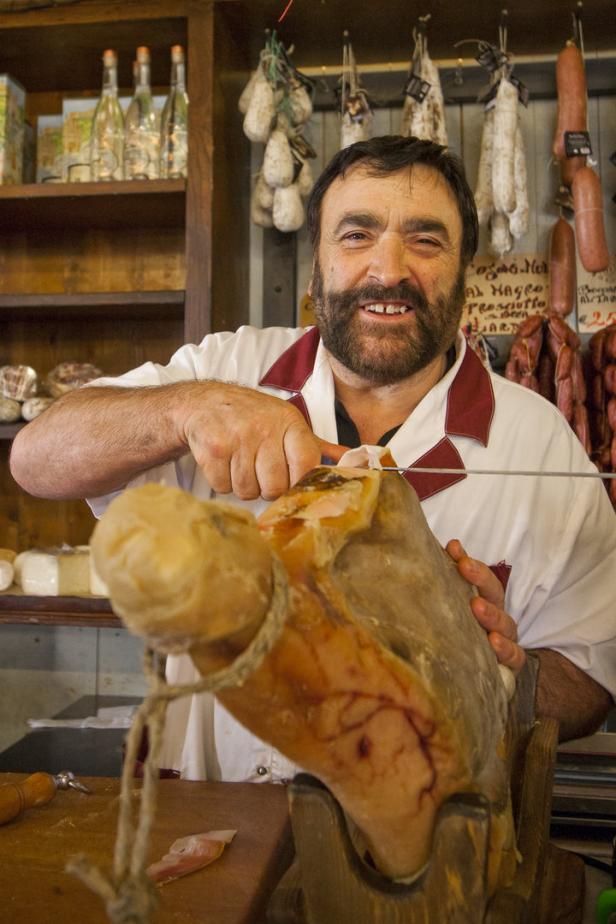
x=330, y=884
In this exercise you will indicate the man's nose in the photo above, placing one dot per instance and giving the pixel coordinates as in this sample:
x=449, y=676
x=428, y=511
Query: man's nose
x=389, y=264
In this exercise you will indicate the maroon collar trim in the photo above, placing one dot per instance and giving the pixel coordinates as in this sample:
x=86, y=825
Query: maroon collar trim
x=470, y=401
x=443, y=455
x=294, y=367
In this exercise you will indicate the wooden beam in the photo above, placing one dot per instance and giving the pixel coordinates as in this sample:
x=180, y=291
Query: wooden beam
x=198, y=305
x=279, y=278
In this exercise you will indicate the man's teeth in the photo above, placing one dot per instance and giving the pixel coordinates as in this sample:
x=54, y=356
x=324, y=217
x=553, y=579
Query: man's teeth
x=383, y=308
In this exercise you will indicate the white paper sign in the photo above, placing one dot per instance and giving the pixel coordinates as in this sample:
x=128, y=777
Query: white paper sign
x=501, y=292
x=596, y=297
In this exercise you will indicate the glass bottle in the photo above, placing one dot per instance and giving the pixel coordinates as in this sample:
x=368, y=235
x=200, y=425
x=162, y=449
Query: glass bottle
x=142, y=138
x=107, y=136
x=174, y=121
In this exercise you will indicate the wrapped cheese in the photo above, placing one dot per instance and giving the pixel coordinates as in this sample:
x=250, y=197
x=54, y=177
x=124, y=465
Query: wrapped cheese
x=35, y=406
x=54, y=572
x=10, y=410
x=261, y=110
x=17, y=382
x=68, y=376
x=97, y=585
x=278, y=163
x=288, y=211
x=7, y=574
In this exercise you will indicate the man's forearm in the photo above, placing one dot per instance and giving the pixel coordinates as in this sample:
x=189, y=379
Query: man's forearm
x=94, y=440
x=567, y=694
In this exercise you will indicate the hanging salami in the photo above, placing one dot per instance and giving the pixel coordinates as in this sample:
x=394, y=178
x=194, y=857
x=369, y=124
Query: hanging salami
x=423, y=112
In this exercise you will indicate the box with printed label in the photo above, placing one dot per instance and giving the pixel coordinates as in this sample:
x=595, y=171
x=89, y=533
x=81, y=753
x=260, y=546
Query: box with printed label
x=49, y=149
x=77, y=115
x=12, y=103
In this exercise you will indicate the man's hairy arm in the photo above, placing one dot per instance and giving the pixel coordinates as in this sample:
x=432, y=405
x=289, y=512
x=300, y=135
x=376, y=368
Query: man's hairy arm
x=95, y=440
x=569, y=695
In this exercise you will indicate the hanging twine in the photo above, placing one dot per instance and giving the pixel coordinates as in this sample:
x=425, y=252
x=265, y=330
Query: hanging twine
x=129, y=894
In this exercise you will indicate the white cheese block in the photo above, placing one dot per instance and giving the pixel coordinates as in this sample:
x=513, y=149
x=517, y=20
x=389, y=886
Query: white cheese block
x=7, y=574
x=97, y=585
x=55, y=572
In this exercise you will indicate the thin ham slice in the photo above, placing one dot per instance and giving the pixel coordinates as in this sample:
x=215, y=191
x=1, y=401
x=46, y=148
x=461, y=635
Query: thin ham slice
x=188, y=854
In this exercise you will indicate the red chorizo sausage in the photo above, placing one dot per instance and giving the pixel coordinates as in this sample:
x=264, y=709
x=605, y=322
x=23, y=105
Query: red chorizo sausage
x=581, y=426
x=546, y=376
x=562, y=268
x=564, y=398
x=611, y=414
x=589, y=229
x=609, y=378
x=571, y=89
x=610, y=341
x=529, y=380
x=578, y=379
x=596, y=347
x=564, y=363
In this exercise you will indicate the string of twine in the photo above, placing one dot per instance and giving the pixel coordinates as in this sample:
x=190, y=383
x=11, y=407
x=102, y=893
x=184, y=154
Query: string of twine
x=130, y=896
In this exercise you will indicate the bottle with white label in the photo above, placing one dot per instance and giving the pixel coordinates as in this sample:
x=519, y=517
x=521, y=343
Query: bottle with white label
x=107, y=138
x=142, y=137
x=174, y=121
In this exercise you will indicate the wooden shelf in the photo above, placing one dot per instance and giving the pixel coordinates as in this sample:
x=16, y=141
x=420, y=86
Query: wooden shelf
x=9, y=431
x=123, y=204
x=94, y=612
x=68, y=55
x=168, y=304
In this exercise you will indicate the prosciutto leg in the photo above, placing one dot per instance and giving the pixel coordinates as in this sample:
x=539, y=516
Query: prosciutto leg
x=380, y=683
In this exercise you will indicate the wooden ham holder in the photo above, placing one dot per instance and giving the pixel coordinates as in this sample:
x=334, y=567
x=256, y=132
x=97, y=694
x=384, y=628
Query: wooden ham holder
x=330, y=884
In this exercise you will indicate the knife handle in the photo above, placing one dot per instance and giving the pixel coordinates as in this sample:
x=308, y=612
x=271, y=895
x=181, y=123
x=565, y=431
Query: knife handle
x=15, y=798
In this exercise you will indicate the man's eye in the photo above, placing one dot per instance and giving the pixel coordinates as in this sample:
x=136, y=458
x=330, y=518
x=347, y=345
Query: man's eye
x=427, y=241
x=355, y=236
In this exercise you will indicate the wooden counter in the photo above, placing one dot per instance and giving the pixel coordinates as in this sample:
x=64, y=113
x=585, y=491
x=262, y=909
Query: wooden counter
x=234, y=890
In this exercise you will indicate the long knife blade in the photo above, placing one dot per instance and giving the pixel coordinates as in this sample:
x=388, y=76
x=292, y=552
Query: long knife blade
x=494, y=471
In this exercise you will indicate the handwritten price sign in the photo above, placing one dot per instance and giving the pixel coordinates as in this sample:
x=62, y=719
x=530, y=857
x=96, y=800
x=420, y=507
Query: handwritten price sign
x=502, y=292
x=596, y=297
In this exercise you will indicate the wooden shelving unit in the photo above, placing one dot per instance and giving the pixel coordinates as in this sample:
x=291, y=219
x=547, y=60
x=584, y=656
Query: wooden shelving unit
x=93, y=304
x=9, y=431
x=125, y=204
x=118, y=274
x=93, y=612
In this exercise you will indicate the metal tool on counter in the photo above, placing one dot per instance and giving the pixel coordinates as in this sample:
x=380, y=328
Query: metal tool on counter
x=35, y=790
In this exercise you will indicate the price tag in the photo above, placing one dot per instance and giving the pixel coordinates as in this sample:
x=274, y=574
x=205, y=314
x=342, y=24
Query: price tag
x=577, y=144
x=491, y=57
x=417, y=88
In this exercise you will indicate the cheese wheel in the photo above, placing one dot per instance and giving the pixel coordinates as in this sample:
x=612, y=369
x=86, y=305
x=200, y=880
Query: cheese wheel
x=7, y=574
x=56, y=572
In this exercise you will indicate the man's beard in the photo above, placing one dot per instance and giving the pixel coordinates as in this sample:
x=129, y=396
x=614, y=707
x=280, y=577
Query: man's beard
x=396, y=350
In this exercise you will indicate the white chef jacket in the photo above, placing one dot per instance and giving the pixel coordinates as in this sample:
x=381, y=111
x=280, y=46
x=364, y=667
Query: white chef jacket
x=552, y=540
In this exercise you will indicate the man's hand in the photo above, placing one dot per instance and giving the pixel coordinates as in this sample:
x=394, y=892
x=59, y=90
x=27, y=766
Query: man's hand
x=250, y=443
x=488, y=607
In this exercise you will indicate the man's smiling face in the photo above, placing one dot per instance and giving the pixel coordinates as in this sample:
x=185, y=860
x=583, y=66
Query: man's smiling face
x=388, y=285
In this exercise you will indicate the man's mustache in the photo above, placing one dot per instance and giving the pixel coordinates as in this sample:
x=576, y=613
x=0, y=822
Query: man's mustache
x=403, y=292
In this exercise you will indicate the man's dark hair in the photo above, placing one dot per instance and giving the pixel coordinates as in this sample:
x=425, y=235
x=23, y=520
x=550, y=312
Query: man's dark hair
x=391, y=153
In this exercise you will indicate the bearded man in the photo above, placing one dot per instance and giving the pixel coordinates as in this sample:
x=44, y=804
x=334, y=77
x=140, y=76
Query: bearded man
x=246, y=414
